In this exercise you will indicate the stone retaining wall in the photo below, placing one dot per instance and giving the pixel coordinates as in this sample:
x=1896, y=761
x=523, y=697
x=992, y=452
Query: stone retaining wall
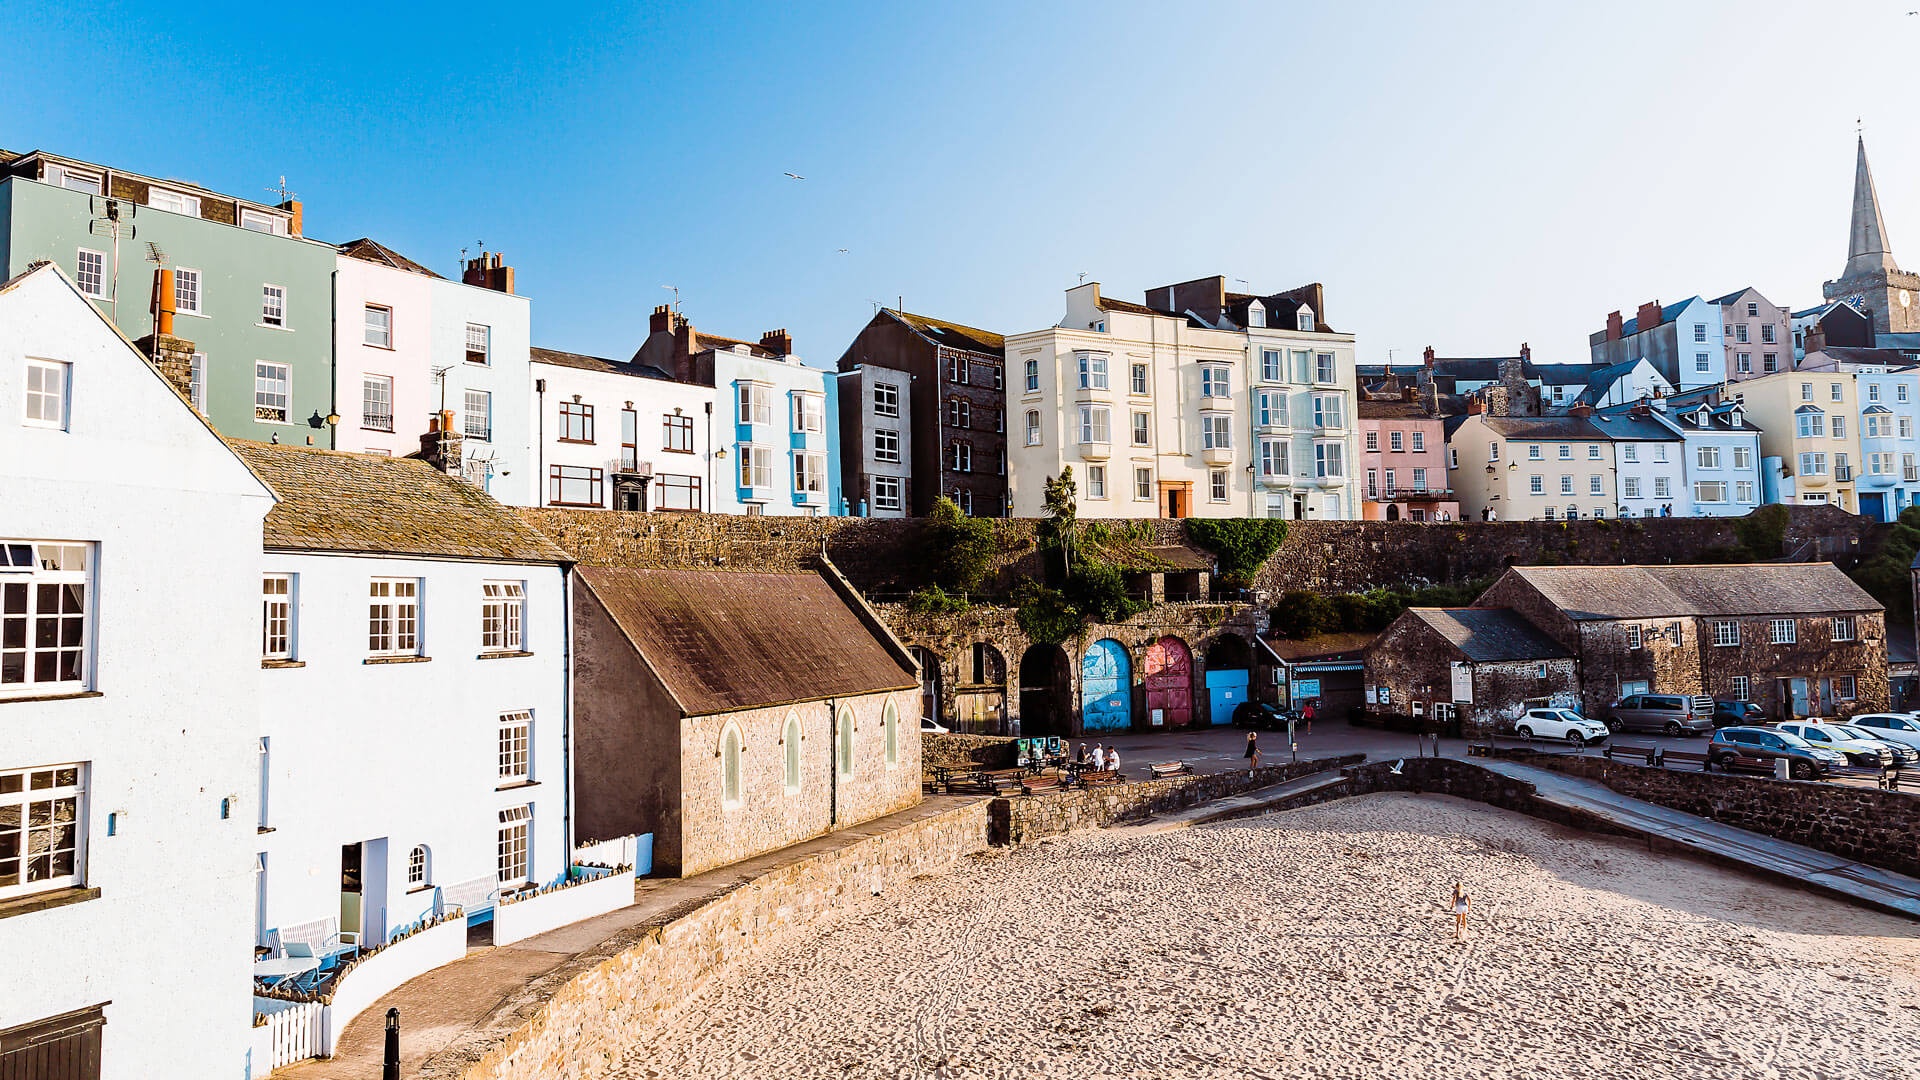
x=611, y=1006
x=1023, y=820
x=952, y=748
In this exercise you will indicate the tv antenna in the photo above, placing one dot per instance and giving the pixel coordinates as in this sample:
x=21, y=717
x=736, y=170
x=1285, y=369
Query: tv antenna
x=155, y=255
x=1083, y=277
x=675, y=290
x=285, y=195
x=440, y=376
x=113, y=217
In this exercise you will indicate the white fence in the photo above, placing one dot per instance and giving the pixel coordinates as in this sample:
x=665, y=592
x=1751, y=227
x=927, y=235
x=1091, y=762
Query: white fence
x=377, y=975
x=292, y=1033
x=522, y=919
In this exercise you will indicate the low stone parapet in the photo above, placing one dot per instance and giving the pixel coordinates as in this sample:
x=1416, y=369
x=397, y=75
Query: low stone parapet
x=1021, y=820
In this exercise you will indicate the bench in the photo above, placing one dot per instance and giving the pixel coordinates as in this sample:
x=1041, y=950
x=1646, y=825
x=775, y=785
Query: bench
x=1041, y=785
x=1097, y=779
x=1003, y=781
x=1648, y=754
x=1164, y=769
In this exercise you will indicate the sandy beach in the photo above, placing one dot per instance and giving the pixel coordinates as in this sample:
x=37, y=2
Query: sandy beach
x=1318, y=944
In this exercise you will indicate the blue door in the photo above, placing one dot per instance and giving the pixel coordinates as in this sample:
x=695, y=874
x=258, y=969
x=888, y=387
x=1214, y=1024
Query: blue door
x=1873, y=505
x=1225, y=691
x=1106, y=688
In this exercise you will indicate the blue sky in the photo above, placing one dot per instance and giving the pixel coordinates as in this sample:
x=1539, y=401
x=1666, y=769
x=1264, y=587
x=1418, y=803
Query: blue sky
x=1470, y=175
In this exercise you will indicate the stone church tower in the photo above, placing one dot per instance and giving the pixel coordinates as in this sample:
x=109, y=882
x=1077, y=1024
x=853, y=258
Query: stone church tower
x=1872, y=281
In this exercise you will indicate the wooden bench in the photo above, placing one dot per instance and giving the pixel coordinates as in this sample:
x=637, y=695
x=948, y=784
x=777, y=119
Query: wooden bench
x=1630, y=751
x=1666, y=758
x=1097, y=779
x=1041, y=785
x=1164, y=769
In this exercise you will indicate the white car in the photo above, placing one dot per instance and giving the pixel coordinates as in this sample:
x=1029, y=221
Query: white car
x=930, y=726
x=1864, y=753
x=1890, y=727
x=1560, y=724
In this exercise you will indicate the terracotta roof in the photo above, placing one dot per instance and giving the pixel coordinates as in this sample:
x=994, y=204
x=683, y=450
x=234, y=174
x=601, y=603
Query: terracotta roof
x=1323, y=647
x=595, y=363
x=375, y=252
x=1638, y=592
x=723, y=640
x=944, y=332
x=367, y=503
x=1393, y=410
x=1490, y=634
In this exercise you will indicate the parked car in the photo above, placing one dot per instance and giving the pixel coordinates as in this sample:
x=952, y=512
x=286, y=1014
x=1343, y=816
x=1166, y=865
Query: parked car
x=1671, y=714
x=1756, y=749
x=930, y=726
x=1262, y=716
x=1560, y=724
x=1901, y=728
x=1904, y=756
x=1864, y=753
x=1727, y=713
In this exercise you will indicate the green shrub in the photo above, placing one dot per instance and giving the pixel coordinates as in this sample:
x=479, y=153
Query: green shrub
x=1099, y=591
x=1044, y=614
x=1242, y=545
x=958, y=551
x=933, y=600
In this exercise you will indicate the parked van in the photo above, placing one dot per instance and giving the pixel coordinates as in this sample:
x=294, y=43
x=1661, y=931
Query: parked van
x=1671, y=714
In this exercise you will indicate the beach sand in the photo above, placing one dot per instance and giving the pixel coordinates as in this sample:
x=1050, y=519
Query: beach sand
x=1318, y=943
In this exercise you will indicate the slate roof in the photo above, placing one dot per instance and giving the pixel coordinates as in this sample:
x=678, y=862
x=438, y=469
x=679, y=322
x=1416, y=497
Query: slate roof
x=725, y=640
x=371, y=504
x=1900, y=644
x=1668, y=313
x=1563, y=374
x=1890, y=357
x=1181, y=557
x=1321, y=647
x=375, y=252
x=1392, y=410
x=1108, y=303
x=704, y=342
x=955, y=334
x=1619, y=424
x=1636, y=592
x=1601, y=379
x=1545, y=427
x=1490, y=634
x=595, y=363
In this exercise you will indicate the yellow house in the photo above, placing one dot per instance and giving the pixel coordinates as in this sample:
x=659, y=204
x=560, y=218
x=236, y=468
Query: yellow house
x=1521, y=468
x=1809, y=435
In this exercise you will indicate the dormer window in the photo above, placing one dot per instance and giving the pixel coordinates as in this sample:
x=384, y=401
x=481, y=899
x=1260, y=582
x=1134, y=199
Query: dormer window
x=161, y=199
x=72, y=180
x=1736, y=418
x=1256, y=314
x=1303, y=319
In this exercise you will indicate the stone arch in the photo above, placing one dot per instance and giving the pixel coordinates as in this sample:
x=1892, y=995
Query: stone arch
x=979, y=704
x=790, y=739
x=1168, y=676
x=1046, y=691
x=733, y=749
x=1393, y=512
x=1106, y=687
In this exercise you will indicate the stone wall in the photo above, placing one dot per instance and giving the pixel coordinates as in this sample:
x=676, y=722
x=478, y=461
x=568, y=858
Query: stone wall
x=992, y=751
x=1023, y=820
x=608, y=1002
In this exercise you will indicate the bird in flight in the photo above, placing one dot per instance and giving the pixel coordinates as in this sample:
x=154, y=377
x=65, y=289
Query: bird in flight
x=795, y=176
x=843, y=251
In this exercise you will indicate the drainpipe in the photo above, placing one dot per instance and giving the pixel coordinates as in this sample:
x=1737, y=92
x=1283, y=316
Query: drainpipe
x=333, y=363
x=710, y=493
x=566, y=714
x=833, y=764
x=540, y=441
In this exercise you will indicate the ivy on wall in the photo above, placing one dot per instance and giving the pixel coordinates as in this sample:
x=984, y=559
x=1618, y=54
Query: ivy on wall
x=1242, y=545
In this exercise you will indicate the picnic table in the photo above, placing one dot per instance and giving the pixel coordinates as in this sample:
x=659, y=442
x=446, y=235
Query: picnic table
x=943, y=772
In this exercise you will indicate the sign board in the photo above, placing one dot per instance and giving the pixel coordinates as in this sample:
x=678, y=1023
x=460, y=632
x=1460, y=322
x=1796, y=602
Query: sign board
x=1462, y=683
x=1306, y=688
x=1159, y=717
x=1384, y=698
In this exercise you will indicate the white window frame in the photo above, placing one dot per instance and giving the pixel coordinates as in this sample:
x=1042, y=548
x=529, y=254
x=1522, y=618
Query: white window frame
x=377, y=335
x=272, y=392
x=1032, y=376
x=1634, y=640
x=97, y=277
x=1216, y=381
x=1726, y=633
x=886, y=400
x=48, y=394
x=755, y=402
x=514, y=757
x=1096, y=481
x=187, y=296
x=1138, y=379
x=756, y=466
x=1783, y=631
x=484, y=339
x=274, y=224
x=513, y=861
x=277, y=607
x=1142, y=483
x=39, y=835
x=273, y=306
x=393, y=617
x=1216, y=431
x=1843, y=628
x=376, y=391
x=1741, y=687
x=809, y=413
x=1095, y=425
x=503, y=609
x=197, y=381
x=1218, y=487
x=174, y=202
x=29, y=668
x=886, y=445
x=886, y=493
x=810, y=474
x=1093, y=371
x=477, y=423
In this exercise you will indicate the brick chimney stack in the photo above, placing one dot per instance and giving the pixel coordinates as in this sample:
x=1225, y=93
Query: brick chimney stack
x=1581, y=411
x=441, y=446
x=296, y=227
x=1616, y=326
x=1648, y=315
x=172, y=356
x=1475, y=407
x=1816, y=339
x=1426, y=358
x=662, y=321
x=777, y=342
x=490, y=271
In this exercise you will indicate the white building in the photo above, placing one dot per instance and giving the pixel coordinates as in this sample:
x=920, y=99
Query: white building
x=128, y=560
x=876, y=440
x=409, y=343
x=1236, y=406
x=1650, y=478
x=411, y=750
x=1721, y=449
x=623, y=435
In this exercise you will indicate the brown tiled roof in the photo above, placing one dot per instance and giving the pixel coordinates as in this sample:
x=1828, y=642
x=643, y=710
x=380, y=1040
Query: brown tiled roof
x=703, y=342
x=1321, y=646
x=1180, y=557
x=723, y=640
x=1638, y=592
x=1392, y=410
x=375, y=252
x=1490, y=634
x=1108, y=303
x=595, y=363
x=367, y=503
x=940, y=330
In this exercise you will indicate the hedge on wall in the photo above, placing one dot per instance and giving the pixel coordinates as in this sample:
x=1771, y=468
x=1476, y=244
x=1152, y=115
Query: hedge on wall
x=1243, y=545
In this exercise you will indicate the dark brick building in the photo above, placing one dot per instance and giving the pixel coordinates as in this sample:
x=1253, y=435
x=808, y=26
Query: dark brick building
x=1481, y=667
x=957, y=411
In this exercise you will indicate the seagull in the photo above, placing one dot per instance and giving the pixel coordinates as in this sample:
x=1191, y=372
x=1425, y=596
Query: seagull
x=843, y=251
x=1396, y=766
x=795, y=176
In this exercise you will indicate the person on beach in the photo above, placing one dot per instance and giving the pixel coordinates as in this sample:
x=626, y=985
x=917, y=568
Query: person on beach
x=1461, y=903
x=1253, y=751
x=1099, y=758
x=1081, y=757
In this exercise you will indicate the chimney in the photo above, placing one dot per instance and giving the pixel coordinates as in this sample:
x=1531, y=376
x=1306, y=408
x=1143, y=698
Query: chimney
x=777, y=342
x=490, y=271
x=662, y=320
x=1475, y=407
x=1426, y=357
x=1409, y=393
x=1816, y=339
x=440, y=447
x=1526, y=356
x=173, y=357
x=296, y=227
x=1648, y=315
x=1616, y=326
x=1581, y=412
x=163, y=301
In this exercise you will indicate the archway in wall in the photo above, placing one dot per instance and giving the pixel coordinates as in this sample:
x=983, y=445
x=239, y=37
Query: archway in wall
x=1046, y=692
x=1393, y=512
x=1229, y=676
x=929, y=662
x=1169, y=683
x=980, y=698
x=1106, y=687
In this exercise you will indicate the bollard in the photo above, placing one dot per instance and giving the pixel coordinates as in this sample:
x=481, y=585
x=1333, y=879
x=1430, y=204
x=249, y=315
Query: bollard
x=391, y=1070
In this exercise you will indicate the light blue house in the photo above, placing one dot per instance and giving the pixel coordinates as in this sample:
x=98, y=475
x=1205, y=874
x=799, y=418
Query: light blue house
x=1720, y=452
x=1890, y=474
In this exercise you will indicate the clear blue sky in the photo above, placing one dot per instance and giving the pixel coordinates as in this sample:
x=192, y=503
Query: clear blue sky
x=1468, y=175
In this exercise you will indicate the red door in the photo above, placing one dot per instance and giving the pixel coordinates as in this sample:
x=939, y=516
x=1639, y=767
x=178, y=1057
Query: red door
x=1169, y=682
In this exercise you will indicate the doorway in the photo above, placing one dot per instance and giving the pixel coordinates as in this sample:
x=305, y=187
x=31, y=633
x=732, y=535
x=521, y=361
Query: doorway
x=363, y=890
x=1176, y=503
x=1106, y=687
x=1169, y=683
x=1046, y=680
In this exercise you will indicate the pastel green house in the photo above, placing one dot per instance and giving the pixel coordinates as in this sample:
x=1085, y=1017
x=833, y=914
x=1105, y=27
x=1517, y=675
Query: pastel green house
x=251, y=293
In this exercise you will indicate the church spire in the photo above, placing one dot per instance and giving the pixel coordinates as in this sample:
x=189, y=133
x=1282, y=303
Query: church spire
x=1867, y=249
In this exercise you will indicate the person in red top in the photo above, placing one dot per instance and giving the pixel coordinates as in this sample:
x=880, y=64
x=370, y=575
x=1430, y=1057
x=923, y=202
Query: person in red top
x=1306, y=714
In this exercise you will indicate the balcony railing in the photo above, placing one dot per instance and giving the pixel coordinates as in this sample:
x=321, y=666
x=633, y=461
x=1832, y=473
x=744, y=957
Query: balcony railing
x=1411, y=495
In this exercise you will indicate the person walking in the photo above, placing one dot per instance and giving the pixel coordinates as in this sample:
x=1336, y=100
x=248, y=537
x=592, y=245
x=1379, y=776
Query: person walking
x=1461, y=903
x=1253, y=752
x=1080, y=758
x=1306, y=715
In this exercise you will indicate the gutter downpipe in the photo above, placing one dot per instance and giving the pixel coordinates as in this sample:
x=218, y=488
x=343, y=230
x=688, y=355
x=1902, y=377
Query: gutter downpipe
x=540, y=440
x=833, y=763
x=566, y=714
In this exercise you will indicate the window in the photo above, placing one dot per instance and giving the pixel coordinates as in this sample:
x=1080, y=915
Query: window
x=844, y=751
x=43, y=616
x=1323, y=370
x=1093, y=373
x=1813, y=464
x=1630, y=487
x=1140, y=421
x=1093, y=424
x=890, y=723
x=276, y=617
x=1839, y=426
x=1740, y=686
x=790, y=753
x=272, y=392
x=1373, y=442
x=886, y=399
x=1566, y=452
x=1633, y=637
x=1217, y=485
x=516, y=747
x=1033, y=375
x=1419, y=479
x=1710, y=491
x=393, y=616
x=273, y=306
x=1699, y=331
x=1742, y=457
x=1270, y=366
x=1708, y=457
x=1784, y=631
x=1740, y=333
x=1659, y=451
x=197, y=380
x=575, y=485
x=477, y=421
x=1143, y=483
x=810, y=473
x=513, y=859
x=1302, y=364
x=1629, y=452
x=90, y=272
x=1806, y=391
x=1905, y=424
x=1096, y=481
x=1835, y=391
x=1215, y=382
x=1139, y=384
x=810, y=413
x=376, y=402
x=886, y=443
x=42, y=829
x=48, y=383
x=1328, y=460
x=1453, y=457
x=1329, y=411
x=418, y=874
x=1770, y=363
x=756, y=466
x=1877, y=425
x=1396, y=441
x=501, y=605
x=1810, y=423
x=1536, y=485
x=379, y=329
x=1909, y=472
x=1390, y=480
x=959, y=413
x=255, y=221
x=1900, y=392
x=1843, y=628
x=1304, y=320
x=957, y=369
x=1216, y=431
x=479, y=343
x=672, y=491
x=1701, y=362
x=1843, y=687
x=1533, y=452
x=1419, y=442
x=1662, y=487
x=1873, y=391
x=576, y=422
x=1726, y=632
x=1743, y=490
x=174, y=201
x=886, y=493
x=756, y=404
x=1742, y=363
x=1033, y=427
x=1273, y=408
x=999, y=377
x=1595, y=486
x=61, y=176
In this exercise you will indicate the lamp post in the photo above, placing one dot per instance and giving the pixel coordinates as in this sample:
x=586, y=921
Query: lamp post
x=391, y=1069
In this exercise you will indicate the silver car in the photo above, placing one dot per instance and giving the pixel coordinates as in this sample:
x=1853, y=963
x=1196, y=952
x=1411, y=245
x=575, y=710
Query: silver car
x=1670, y=714
x=1890, y=727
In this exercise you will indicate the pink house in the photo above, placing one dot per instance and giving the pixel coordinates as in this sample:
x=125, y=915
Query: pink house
x=1403, y=464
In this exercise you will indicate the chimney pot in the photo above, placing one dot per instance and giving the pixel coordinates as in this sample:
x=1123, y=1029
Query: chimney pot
x=1426, y=356
x=1581, y=411
x=441, y=446
x=1616, y=326
x=1648, y=315
x=1475, y=407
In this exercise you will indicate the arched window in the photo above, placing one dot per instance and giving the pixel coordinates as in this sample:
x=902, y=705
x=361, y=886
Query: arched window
x=730, y=766
x=846, y=742
x=890, y=719
x=790, y=744
x=419, y=867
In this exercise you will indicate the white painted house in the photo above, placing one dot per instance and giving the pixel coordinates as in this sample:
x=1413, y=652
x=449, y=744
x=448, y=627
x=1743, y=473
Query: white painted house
x=620, y=435
x=409, y=343
x=1721, y=451
x=1650, y=478
x=128, y=562
x=411, y=753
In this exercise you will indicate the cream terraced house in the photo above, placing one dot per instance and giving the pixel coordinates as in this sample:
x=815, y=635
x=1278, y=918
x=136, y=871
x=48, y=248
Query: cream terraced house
x=1200, y=403
x=1809, y=436
x=1515, y=468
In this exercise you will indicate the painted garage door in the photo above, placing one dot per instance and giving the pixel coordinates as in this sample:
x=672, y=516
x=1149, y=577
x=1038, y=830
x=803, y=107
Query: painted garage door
x=1106, y=688
x=1169, y=682
x=1225, y=692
